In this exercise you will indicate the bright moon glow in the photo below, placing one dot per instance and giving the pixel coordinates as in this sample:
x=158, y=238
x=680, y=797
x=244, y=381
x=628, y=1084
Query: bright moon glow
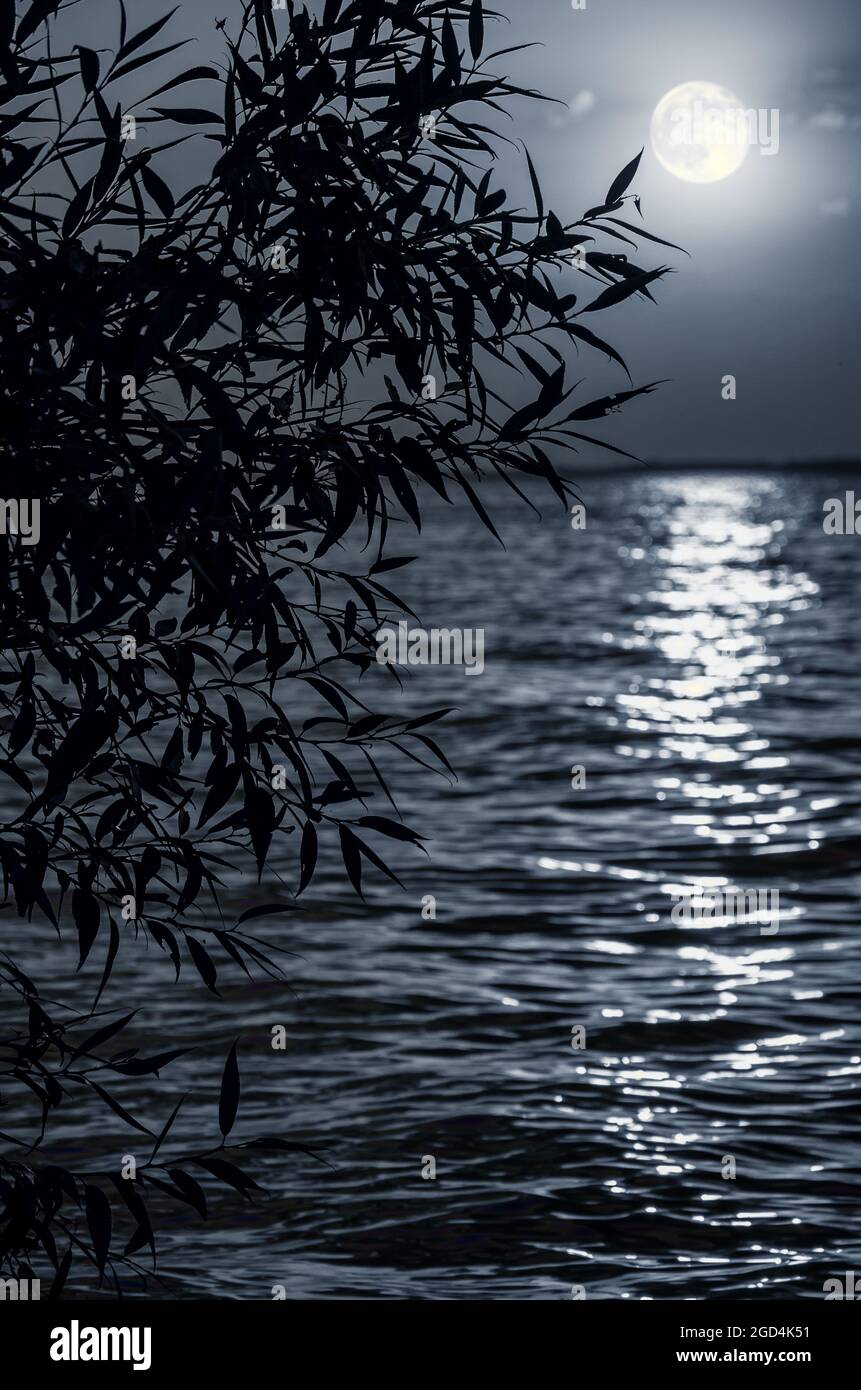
x=699, y=132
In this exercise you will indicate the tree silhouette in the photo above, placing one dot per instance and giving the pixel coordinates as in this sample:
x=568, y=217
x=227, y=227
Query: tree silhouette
x=207, y=392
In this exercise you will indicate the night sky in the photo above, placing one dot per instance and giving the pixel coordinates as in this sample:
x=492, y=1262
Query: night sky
x=771, y=294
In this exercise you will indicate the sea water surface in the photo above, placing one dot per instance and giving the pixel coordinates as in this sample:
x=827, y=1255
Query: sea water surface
x=694, y=650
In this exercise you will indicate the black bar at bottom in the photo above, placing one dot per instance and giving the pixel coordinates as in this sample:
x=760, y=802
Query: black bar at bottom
x=86, y=1339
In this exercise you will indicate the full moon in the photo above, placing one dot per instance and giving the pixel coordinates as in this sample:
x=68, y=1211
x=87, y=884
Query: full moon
x=699, y=132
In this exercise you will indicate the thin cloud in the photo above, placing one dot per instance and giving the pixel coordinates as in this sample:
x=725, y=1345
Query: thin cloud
x=582, y=104
x=829, y=119
x=835, y=207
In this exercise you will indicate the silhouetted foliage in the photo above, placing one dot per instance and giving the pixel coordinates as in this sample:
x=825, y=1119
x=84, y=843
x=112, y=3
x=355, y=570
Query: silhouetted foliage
x=184, y=386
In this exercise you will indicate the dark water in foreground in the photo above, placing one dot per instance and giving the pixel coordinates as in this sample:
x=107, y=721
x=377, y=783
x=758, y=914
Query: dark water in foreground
x=695, y=650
